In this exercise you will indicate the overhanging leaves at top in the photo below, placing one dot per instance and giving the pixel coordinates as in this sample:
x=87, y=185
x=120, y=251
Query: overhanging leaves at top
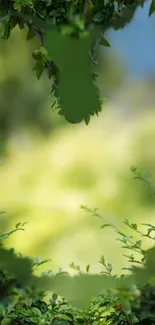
x=77, y=16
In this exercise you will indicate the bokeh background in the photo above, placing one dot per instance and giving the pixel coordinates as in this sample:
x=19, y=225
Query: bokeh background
x=50, y=167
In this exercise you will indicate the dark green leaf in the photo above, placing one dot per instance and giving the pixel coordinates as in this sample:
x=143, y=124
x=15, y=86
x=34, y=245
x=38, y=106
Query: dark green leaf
x=18, y=224
x=5, y=18
x=55, y=13
x=6, y=32
x=134, y=226
x=39, y=68
x=106, y=225
x=21, y=24
x=30, y=34
x=104, y=42
x=99, y=17
x=87, y=120
x=87, y=268
x=152, y=8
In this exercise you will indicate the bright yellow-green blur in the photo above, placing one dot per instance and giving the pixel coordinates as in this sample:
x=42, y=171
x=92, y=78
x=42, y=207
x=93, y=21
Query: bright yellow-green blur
x=44, y=180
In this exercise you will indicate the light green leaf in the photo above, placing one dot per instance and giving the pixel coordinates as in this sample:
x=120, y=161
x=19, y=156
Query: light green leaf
x=6, y=321
x=30, y=34
x=1, y=211
x=98, y=17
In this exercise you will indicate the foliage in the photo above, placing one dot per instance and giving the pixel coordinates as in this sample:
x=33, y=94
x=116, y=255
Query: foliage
x=144, y=177
x=80, y=22
x=119, y=301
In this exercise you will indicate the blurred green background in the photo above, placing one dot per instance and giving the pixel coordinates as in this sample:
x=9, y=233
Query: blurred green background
x=50, y=167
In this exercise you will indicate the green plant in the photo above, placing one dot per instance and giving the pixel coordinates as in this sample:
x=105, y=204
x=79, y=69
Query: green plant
x=82, y=24
x=25, y=303
x=109, y=299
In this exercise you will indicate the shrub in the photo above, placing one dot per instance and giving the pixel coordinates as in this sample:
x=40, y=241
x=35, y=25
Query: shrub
x=24, y=303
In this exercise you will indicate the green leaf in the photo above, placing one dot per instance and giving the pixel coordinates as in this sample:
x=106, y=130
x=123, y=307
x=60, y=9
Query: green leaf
x=109, y=267
x=134, y=226
x=133, y=168
x=30, y=34
x=17, y=225
x=55, y=13
x=17, y=5
x=98, y=17
x=6, y=321
x=138, y=244
x=106, y=225
x=121, y=233
x=152, y=8
x=102, y=260
x=1, y=211
x=5, y=18
x=149, y=225
x=39, y=68
x=36, y=312
x=6, y=31
x=87, y=120
x=141, y=3
x=37, y=55
x=21, y=24
x=127, y=268
x=104, y=42
x=87, y=268
x=63, y=316
x=43, y=262
x=2, y=311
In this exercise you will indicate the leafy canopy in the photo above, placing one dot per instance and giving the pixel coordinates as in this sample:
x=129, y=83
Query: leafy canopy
x=70, y=32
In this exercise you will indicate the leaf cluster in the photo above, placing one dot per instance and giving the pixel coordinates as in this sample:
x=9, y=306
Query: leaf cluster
x=76, y=19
